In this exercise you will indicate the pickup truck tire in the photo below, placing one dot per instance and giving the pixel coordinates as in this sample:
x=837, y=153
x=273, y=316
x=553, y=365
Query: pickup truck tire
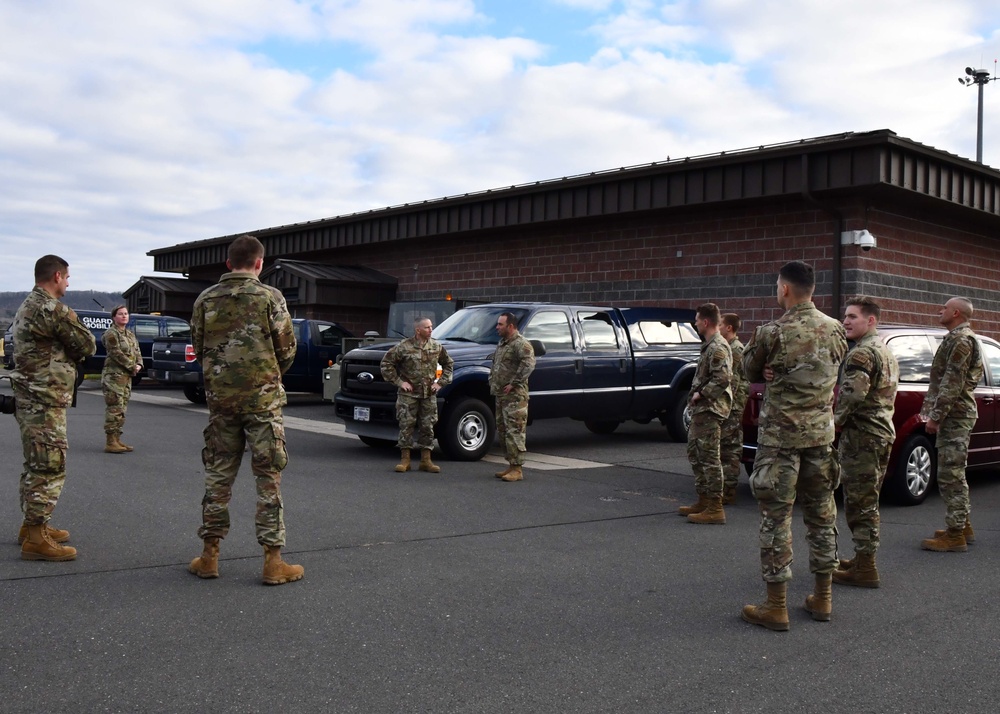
x=916, y=470
x=468, y=431
x=601, y=427
x=195, y=393
x=675, y=418
x=377, y=443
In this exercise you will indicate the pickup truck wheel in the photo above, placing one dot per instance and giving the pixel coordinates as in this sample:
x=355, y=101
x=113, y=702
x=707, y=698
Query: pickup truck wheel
x=195, y=393
x=676, y=426
x=468, y=432
x=601, y=427
x=377, y=443
x=916, y=469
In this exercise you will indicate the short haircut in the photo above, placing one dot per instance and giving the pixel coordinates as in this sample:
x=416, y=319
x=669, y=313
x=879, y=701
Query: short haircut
x=511, y=318
x=116, y=308
x=800, y=276
x=869, y=308
x=47, y=266
x=709, y=311
x=418, y=320
x=733, y=320
x=964, y=307
x=244, y=251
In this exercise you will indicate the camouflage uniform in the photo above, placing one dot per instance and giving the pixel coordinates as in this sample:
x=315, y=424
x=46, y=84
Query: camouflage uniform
x=865, y=405
x=49, y=341
x=951, y=401
x=244, y=339
x=712, y=382
x=731, y=438
x=795, y=457
x=116, y=377
x=409, y=361
x=513, y=362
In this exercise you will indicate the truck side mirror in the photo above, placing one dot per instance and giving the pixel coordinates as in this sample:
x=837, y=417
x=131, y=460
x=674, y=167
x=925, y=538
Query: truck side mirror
x=538, y=346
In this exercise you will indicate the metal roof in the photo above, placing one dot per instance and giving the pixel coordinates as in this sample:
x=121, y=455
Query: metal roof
x=325, y=273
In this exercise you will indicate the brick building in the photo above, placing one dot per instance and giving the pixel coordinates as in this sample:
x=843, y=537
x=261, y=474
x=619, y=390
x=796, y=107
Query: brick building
x=677, y=232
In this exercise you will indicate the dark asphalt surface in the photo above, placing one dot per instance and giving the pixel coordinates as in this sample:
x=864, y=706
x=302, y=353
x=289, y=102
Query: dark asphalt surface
x=577, y=590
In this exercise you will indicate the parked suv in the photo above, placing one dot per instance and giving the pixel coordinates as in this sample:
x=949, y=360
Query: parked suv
x=913, y=461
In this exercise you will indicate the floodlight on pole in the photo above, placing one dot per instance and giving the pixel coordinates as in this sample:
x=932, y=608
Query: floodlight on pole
x=979, y=77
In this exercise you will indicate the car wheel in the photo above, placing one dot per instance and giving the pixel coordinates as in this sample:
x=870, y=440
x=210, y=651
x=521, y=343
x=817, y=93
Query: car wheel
x=676, y=424
x=468, y=431
x=195, y=393
x=601, y=427
x=376, y=443
x=916, y=469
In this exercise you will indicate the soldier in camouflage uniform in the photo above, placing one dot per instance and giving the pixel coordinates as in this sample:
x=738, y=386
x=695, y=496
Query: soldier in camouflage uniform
x=123, y=362
x=798, y=355
x=244, y=339
x=49, y=341
x=709, y=404
x=731, y=438
x=513, y=362
x=865, y=404
x=412, y=365
x=950, y=412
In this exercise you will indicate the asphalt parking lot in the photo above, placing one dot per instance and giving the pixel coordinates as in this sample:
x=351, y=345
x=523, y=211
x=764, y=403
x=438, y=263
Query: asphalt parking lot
x=577, y=590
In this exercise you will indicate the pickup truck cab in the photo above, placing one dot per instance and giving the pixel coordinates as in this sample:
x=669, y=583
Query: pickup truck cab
x=318, y=344
x=597, y=364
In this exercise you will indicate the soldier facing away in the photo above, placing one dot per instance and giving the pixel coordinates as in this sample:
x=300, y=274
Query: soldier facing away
x=123, y=362
x=710, y=403
x=412, y=366
x=798, y=355
x=865, y=404
x=243, y=337
x=950, y=412
x=49, y=341
x=513, y=363
x=731, y=438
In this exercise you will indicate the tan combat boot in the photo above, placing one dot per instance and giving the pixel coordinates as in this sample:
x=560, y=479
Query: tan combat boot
x=404, y=461
x=56, y=535
x=426, y=464
x=501, y=474
x=118, y=438
x=773, y=614
x=729, y=496
x=861, y=572
x=970, y=535
x=514, y=474
x=712, y=515
x=277, y=571
x=206, y=565
x=948, y=542
x=845, y=564
x=697, y=507
x=113, y=445
x=820, y=603
x=38, y=546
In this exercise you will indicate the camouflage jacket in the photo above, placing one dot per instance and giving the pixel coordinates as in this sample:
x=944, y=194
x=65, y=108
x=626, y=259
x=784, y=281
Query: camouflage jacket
x=804, y=348
x=513, y=363
x=740, y=385
x=867, y=396
x=410, y=362
x=49, y=341
x=123, y=351
x=713, y=378
x=955, y=372
x=244, y=338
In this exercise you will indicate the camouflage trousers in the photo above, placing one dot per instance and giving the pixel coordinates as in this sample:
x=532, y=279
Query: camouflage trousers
x=512, y=424
x=117, y=388
x=863, y=459
x=780, y=476
x=416, y=413
x=43, y=440
x=226, y=436
x=703, y=453
x=731, y=445
x=952, y=458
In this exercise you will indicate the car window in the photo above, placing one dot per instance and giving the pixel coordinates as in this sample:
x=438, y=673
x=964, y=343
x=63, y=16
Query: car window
x=991, y=356
x=915, y=356
x=329, y=335
x=552, y=328
x=598, y=330
x=174, y=327
x=146, y=328
x=668, y=333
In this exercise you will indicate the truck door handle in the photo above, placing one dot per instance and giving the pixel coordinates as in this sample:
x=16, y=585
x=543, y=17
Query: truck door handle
x=579, y=366
x=622, y=366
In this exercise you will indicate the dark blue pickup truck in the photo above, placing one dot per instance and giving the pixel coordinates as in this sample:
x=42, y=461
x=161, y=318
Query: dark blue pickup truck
x=319, y=344
x=599, y=365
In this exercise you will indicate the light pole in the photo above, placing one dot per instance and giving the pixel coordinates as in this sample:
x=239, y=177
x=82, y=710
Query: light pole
x=979, y=77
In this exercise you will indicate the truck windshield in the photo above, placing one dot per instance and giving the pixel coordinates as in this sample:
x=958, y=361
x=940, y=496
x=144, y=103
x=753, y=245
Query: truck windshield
x=475, y=324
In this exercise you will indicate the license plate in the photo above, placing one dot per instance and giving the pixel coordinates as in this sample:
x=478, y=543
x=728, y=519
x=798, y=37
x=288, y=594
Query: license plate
x=362, y=413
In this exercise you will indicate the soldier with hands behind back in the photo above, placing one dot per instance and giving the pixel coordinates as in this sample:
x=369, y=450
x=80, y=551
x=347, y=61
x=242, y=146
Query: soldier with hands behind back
x=123, y=362
x=513, y=363
x=731, y=439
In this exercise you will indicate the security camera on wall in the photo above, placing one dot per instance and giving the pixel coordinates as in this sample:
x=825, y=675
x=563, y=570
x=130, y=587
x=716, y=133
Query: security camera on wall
x=863, y=239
